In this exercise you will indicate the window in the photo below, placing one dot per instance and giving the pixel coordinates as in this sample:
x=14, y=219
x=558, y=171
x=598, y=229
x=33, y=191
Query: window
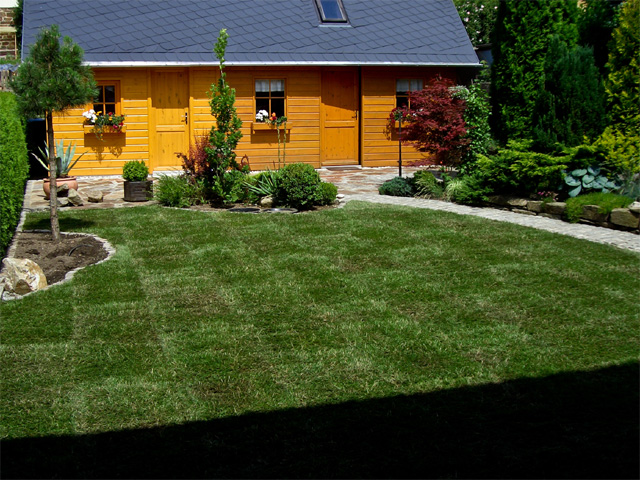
x=403, y=87
x=270, y=96
x=331, y=11
x=108, y=100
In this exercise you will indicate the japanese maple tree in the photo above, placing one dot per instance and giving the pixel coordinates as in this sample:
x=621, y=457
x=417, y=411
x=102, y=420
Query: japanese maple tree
x=433, y=122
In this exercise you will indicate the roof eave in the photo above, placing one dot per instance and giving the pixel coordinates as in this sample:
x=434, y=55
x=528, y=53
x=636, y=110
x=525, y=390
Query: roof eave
x=280, y=64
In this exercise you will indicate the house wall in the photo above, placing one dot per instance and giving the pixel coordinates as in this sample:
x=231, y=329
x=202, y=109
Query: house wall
x=8, y=45
x=377, y=145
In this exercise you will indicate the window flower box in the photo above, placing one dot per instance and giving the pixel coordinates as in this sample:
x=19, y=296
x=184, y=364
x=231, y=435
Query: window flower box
x=105, y=130
x=262, y=126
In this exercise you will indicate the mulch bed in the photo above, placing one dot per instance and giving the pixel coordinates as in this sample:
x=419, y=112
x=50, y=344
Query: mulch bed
x=56, y=259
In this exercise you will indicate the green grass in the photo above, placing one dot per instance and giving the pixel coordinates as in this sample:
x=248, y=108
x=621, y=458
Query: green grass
x=605, y=201
x=364, y=341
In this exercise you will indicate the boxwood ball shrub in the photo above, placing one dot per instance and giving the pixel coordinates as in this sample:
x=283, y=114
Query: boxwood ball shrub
x=397, y=187
x=299, y=186
x=135, y=171
x=14, y=168
x=328, y=193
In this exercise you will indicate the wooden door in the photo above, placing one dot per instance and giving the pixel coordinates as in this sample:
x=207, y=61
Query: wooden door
x=339, y=144
x=171, y=108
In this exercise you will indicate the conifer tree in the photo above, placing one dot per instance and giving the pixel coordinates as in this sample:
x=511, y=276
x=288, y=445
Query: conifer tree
x=623, y=81
x=522, y=36
x=53, y=79
x=571, y=105
x=226, y=134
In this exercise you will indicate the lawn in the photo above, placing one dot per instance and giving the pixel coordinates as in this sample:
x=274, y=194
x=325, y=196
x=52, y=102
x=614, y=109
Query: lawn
x=368, y=341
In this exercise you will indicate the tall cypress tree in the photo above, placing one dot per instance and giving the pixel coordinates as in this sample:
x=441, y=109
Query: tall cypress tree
x=522, y=36
x=571, y=105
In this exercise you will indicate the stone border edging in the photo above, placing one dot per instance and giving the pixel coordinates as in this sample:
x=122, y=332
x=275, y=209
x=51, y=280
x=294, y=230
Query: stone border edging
x=69, y=275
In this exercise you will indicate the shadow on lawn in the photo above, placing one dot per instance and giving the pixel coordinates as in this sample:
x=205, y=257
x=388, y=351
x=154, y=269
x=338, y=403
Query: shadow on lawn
x=579, y=425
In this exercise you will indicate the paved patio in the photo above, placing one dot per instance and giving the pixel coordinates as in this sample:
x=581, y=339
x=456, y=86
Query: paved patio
x=359, y=184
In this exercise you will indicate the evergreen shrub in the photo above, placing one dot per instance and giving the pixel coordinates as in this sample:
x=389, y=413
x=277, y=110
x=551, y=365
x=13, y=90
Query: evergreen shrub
x=298, y=186
x=397, y=187
x=14, y=168
x=135, y=171
x=328, y=193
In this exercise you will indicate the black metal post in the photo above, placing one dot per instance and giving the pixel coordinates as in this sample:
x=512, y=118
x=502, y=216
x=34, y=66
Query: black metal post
x=400, y=146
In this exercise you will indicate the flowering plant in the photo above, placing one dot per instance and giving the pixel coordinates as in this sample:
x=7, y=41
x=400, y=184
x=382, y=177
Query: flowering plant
x=100, y=120
x=262, y=116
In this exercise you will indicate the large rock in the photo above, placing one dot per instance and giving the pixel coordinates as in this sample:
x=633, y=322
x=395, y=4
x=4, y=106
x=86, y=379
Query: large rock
x=23, y=276
x=635, y=207
x=555, y=208
x=623, y=217
x=266, y=202
x=534, y=206
x=516, y=202
x=95, y=196
x=75, y=198
x=592, y=213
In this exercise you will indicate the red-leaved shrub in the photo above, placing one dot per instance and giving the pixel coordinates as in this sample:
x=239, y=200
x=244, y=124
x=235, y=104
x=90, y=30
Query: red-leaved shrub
x=434, y=123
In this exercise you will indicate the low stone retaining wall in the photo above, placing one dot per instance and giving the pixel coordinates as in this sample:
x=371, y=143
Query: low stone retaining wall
x=620, y=218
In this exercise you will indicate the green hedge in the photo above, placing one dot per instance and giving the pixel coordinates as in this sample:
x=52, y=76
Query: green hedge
x=14, y=168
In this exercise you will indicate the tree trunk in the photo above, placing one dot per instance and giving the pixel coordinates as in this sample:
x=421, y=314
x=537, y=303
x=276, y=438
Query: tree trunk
x=53, y=174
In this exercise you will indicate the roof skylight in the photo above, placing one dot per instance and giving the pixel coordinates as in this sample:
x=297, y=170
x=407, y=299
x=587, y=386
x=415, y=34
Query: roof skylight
x=331, y=11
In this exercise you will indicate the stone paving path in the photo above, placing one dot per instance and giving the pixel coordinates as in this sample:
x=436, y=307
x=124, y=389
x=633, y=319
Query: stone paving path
x=362, y=184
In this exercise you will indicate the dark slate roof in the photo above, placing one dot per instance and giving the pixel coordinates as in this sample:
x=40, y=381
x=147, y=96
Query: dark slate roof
x=261, y=32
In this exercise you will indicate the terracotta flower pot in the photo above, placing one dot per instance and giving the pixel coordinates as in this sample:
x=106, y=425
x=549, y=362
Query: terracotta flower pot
x=71, y=181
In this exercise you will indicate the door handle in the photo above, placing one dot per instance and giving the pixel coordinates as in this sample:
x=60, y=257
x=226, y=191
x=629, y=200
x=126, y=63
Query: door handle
x=186, y=118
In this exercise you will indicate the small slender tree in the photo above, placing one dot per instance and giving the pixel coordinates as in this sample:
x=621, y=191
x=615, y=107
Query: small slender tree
x=226, y=134
x=53, y=79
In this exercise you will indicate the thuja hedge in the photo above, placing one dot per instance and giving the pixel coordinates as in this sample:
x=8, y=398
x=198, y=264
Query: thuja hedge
x=14, y=168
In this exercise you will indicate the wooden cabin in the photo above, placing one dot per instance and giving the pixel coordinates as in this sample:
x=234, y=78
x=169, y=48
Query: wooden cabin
x=334, y=68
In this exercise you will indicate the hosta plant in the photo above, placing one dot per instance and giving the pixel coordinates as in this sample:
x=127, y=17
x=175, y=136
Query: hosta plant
x=587, y=179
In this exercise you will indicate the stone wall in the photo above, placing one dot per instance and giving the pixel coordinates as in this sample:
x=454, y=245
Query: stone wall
x=619, y=219
x=7, y=34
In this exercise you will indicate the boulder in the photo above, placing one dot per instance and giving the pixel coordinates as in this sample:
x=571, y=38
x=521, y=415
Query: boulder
x=75, y=198
x=23, y=276
x=516, y=202
x=590, y=212
x=95, y=196
x=266, y=202
x=625, y=218
x=534, y=206
x=635, y=207
x=555, y=208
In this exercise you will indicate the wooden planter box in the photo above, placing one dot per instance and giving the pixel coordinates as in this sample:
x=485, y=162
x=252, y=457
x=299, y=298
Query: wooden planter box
x=138, y=191
x=105, y=130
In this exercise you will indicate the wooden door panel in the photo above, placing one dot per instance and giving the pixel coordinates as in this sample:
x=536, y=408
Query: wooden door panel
x=171, y=106
x=339, y=117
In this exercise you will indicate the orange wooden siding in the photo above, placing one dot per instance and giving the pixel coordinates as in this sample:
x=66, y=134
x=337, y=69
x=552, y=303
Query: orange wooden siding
x=140, y=89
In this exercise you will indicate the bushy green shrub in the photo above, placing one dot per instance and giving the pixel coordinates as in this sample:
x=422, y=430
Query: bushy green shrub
x=299, y=186
x=14, y=168
x=178, y=191
x=518, y=170
x=135, y=171
x=426, y=185
x=328, y=193
x=620, y=152
x=467, y=190
x=397, y=187
x=605, y=201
